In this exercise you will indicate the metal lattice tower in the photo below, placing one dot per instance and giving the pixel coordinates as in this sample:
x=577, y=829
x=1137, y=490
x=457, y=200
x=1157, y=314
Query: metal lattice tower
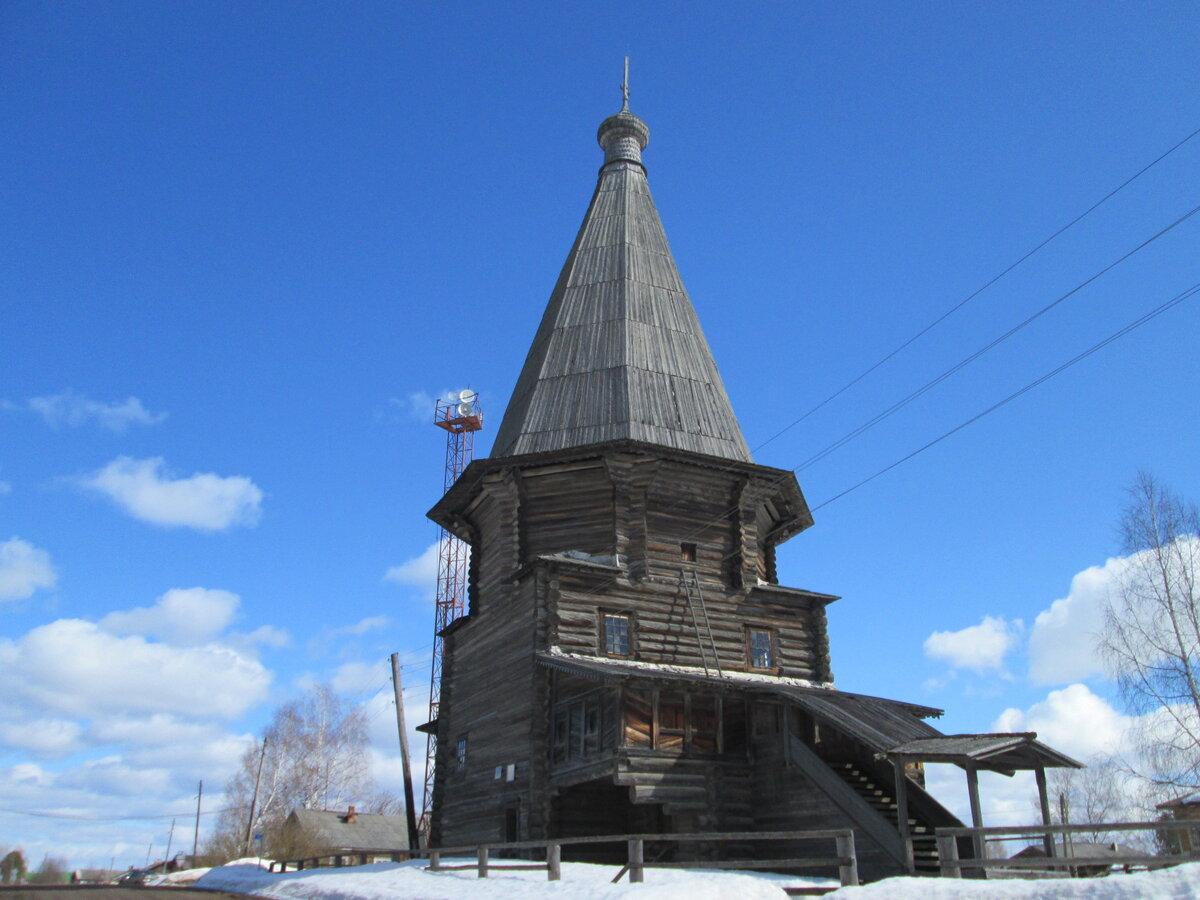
x=461, y=417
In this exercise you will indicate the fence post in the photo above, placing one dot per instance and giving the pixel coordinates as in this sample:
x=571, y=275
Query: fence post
x=435, y=860
x=483, y=861
x=948, y=856
x=845, y=848
x=636, y=859
x=554, y=862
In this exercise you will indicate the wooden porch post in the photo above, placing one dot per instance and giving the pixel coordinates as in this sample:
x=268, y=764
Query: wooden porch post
x=902, y=813
x=976, y=811
x=1044, y=801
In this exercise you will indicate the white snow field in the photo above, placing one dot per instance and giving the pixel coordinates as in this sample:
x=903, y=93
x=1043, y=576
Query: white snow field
x=580, y=881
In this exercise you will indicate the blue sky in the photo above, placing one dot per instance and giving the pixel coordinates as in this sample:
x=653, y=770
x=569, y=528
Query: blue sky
x=247, y=244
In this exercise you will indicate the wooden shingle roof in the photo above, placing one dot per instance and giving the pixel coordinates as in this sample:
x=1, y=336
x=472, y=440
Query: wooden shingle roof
x=332, y=831
x=619, y=353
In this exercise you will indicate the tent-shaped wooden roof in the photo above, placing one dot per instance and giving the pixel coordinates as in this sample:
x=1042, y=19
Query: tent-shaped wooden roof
x=1003, y=753
x=619, y=353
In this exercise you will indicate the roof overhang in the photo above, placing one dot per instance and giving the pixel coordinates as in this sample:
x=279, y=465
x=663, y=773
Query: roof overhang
x=878, y=723
x=1002, y=753
x=447, y=512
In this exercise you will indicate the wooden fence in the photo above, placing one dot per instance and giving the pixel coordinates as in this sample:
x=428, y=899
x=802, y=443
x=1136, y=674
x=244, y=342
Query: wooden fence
x=844, y=858
x=343, y=858
x=952, y=865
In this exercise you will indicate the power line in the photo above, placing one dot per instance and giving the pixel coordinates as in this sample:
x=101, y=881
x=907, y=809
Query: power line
x=952, y=310
x=966, y=361
x=81, y=818
x=1116, y=335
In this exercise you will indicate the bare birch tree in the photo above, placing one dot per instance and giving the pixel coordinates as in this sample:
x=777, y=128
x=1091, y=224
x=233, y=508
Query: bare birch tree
x=316, y=758
x=1151, y=636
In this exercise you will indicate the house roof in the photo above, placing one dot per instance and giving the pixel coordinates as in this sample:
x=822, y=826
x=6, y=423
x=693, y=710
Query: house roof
x=878, y=723
x=329, y=830
x=1004, y=753
x=619, y=353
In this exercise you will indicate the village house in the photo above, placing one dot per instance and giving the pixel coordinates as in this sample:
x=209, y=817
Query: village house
x=628, y=661
x=322, y=832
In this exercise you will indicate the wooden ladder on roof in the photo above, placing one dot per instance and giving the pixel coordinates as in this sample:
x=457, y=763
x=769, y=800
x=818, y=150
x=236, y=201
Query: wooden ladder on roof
x=695, y=599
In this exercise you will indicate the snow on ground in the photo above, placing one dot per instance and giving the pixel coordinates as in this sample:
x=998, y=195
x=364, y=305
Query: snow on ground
x=410, y=881
x=1179, y=883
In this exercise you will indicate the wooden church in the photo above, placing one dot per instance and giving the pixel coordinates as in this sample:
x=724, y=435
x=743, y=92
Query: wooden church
x=629, y=662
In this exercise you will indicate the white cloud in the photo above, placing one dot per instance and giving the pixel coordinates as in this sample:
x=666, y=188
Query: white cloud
x=1073, y=720
x=23, y=569
x=46, y=738
x=268, y=636
x=357, y=677
x=75, y=668
x=203, y=501
x=1062, y=642
x=73, y=409
x=419, y=572
x=183, y=616
x=362, y=626
x=979, y=647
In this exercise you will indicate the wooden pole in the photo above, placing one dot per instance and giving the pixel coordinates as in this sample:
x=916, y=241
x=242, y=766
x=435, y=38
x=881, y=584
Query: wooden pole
x=196, y=833
x=170, y=838
x=847, y=872
x=635, y=859
x=409, y=812
x=902, y=814
x=976, y=811
x=254, y=799
x=1044, y=802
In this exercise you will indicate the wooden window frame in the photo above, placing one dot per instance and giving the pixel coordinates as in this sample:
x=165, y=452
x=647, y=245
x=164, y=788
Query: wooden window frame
x=630, y=633
x=460, y=753
x=773, y=636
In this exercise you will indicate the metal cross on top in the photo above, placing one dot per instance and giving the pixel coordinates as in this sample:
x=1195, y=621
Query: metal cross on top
x=625, y=86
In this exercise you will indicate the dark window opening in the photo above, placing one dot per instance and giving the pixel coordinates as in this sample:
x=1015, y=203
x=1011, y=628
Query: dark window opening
x=512, y=823
x=618, y=636
x=460, y=753
x=687, y=552
x=760, y=647
x=578, y=730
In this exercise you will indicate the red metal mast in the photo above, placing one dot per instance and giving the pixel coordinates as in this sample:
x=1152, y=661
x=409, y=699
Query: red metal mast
x=460, y=416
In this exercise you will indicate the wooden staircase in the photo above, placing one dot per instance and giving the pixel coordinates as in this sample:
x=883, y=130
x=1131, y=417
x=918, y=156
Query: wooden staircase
x=925, y=854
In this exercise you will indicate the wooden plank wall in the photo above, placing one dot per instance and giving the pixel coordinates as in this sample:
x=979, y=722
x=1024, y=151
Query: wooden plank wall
x=635, y=504
x=663, y=630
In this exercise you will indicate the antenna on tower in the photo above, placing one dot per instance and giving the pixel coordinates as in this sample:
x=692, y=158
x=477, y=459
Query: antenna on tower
x=460, y=416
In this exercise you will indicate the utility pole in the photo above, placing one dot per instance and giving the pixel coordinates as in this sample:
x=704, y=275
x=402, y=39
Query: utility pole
x=196, y=834
x=409, y=812
x=254, y=800
x=170, y=838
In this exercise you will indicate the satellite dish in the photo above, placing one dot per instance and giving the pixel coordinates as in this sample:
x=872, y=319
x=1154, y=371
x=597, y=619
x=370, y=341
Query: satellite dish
x=465, y=409
x=466, y=396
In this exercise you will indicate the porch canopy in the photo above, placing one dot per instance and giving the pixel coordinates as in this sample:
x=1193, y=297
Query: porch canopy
x=1005, y=754
x=878, y=723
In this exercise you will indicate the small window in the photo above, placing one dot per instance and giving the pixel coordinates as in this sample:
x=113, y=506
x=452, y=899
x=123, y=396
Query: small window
x=460, y=752
x=617, y=635
x=760, y=644
x=687, y=552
